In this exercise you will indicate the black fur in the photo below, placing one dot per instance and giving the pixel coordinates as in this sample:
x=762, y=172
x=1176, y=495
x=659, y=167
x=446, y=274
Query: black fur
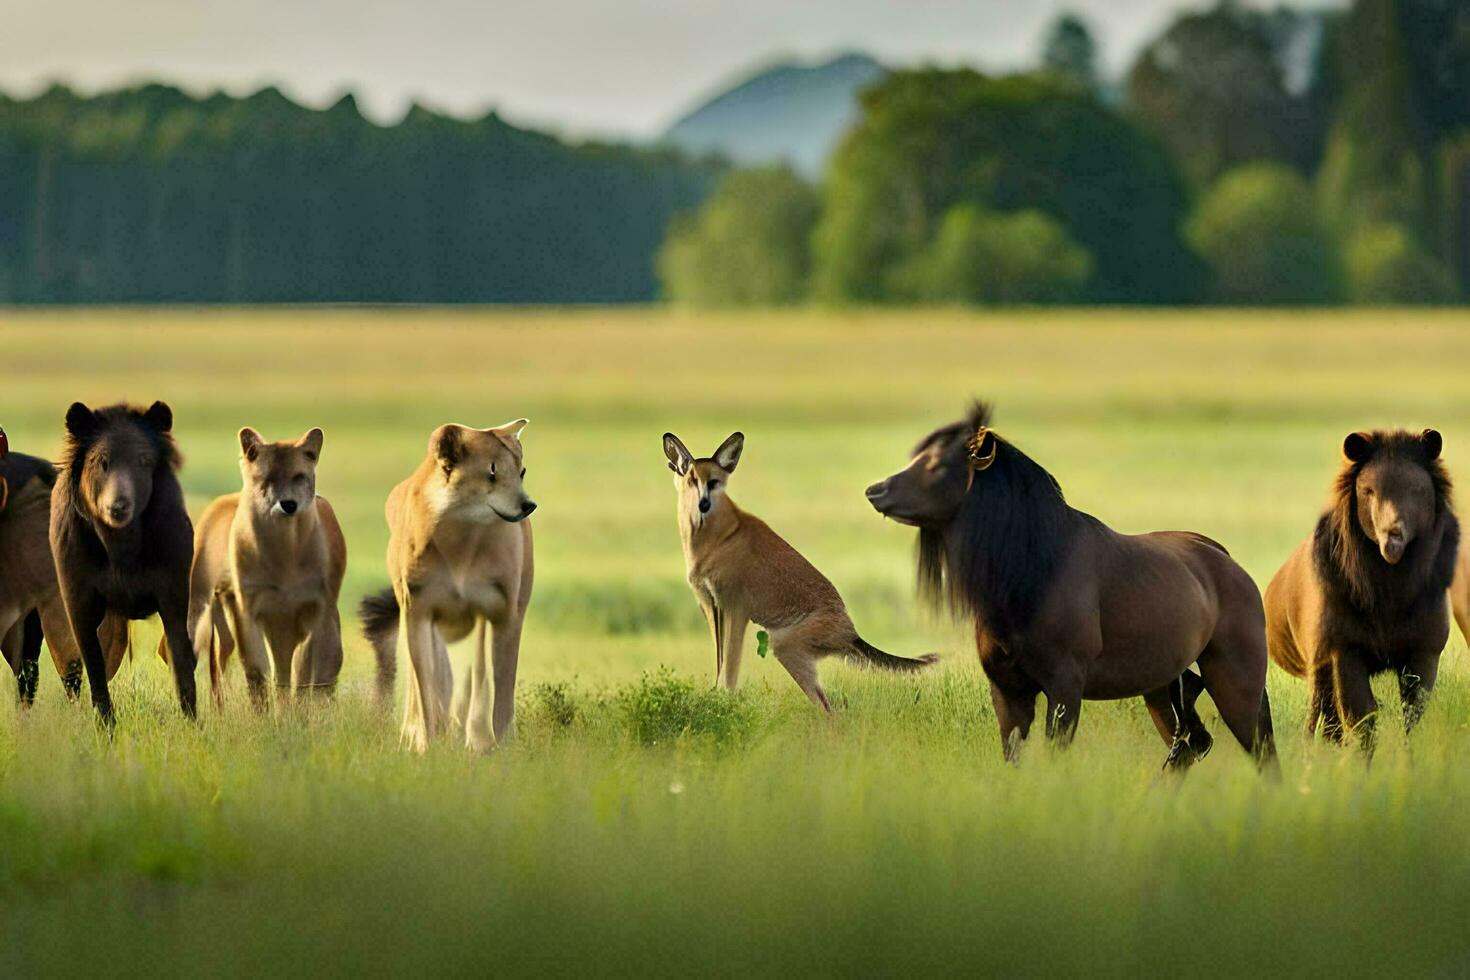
x=1369, y=601
x=137, y=570
x=997, y=559
x=379, y=614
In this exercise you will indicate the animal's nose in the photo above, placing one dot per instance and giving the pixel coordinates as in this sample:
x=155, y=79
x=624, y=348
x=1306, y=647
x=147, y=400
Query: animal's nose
x=119, y=509
x=877, y=491
x=704, y=505
x=289, y=506
x=527, y=509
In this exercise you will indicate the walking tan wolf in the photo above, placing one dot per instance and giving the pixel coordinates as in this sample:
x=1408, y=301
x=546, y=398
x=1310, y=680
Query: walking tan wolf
x=268, y=567
x=459, y=556
x=742, y=572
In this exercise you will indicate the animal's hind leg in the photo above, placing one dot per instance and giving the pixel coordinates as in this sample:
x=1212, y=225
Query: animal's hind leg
x=1165, y=705
x=1014, y=711
x=800, y=661
x=56, y=625
x=29, y=673
x=1416, y=681
x=1234, y=672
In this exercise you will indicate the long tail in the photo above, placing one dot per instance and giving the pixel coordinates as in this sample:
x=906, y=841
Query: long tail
x=379, y=615
x=887, y=661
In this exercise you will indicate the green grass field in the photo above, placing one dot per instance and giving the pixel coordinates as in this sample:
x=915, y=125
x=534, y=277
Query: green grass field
x=639, y=822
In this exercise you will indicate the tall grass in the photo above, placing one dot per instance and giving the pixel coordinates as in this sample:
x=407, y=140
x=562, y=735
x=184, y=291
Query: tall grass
x=641, y=821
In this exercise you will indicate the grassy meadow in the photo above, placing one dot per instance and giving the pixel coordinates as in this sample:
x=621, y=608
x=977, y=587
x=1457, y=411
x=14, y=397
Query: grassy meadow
x=639, y=822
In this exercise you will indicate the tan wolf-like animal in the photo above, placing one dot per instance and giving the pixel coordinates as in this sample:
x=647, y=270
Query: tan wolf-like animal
x=459, y=556
x=268, y=567
x=741, y=571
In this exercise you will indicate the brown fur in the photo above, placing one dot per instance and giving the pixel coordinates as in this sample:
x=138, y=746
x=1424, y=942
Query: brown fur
x=31, y=608
x=460, y=557
x=1066, y=607
x=1366, y=592
x=741, y=571
x=266, y=580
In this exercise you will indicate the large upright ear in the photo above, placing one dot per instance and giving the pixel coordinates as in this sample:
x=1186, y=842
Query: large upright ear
x=160, y=416
x=1433, y=444
x=311, y=444
x=447, y=445
x=513, y=429
x=680, y=459
x=250, y=441
x=983, y=447
x=1358, y=447
x=80, y=421
x=728, y=455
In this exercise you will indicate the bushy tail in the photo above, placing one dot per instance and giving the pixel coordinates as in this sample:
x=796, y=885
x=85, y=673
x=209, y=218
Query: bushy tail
x=379, y=615
x=887, y=661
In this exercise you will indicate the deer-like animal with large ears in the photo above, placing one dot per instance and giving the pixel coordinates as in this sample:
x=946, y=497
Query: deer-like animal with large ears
x=741, y=572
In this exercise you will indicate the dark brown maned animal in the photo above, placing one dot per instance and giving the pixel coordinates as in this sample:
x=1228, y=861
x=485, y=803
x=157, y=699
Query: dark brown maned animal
x=121, y=537
x=1367, y=591
x=1066, y=607
x=30, y=604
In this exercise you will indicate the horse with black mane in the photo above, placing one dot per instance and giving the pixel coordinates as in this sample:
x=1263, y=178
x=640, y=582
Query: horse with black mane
x=1068, y=608
x=121, y=538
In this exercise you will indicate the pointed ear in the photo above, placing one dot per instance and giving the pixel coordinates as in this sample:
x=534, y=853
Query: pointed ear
x=250, y=441
x=513, y=429
x=447, y=445
x=680, y=459
x=1358, y=447
x=311, y=444
x=160, y=416
x=80, y=421
x=1433, y=444
x=728, y=455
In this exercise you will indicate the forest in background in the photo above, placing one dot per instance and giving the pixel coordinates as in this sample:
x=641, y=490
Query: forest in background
x=1249, y=157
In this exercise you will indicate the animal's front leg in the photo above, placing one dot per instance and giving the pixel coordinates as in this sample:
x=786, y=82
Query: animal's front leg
x=477, y=735
x=425, y=714
x=505, y=653
x=716, y=630
x=319, y=661
x=732, y=646
x=85, y=609
x=1355, y=701
x=253, y=656
x=1416, y=682
x=1063, y=709
x=1014, y=711
x=174, y=612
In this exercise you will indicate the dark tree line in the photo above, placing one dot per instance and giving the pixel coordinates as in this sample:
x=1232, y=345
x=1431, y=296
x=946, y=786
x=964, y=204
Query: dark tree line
x=151, y=195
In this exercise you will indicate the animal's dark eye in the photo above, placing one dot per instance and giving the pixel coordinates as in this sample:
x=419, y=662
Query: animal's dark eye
x=299, y=478
x=712, y=484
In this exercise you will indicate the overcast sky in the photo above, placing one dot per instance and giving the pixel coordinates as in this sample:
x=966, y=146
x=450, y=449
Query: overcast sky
x=606, y=67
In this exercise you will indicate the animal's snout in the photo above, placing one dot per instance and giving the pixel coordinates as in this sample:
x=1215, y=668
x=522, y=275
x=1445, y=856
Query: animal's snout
x=704, y=505
x=1393, y=544
x=528, y=507
x=119, y=510
x=876, y=492
x=288, y=507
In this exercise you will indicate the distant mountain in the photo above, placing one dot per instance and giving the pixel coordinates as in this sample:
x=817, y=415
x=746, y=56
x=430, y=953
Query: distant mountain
x=791, y=112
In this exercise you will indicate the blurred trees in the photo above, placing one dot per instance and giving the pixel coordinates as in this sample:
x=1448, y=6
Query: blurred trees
x=1010, y=258
x=1233, y=85
x=1258, y=229
x=1070, y=52
x=149, y=194
x=930, y=140
x=747, y=245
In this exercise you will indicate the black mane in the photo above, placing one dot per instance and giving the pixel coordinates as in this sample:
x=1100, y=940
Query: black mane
x=996, y=560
